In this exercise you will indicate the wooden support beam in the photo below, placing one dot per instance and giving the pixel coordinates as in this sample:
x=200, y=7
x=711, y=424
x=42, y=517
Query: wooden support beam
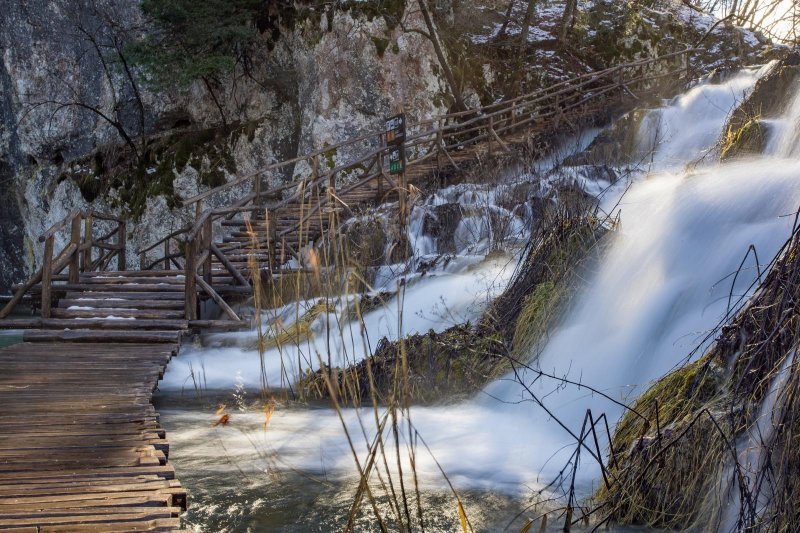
x=166, y=254
x=47, y=277
x=228, y=265
x=74, y=262
x=122, y=237
x=191, y=285
x=217, y=298
x=206, y=241
x=87, y=239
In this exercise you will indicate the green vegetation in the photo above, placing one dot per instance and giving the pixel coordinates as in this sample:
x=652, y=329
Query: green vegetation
x=197, y=40
x=748, y=139
x=676, y=397
x=441, y=366
x=208, y=151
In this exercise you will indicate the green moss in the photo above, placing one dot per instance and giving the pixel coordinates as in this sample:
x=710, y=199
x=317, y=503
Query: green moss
x=677, y=396
x=534, y=318
x=209, y=151
x=329, y=155
x=380, y=44
x=749, y=139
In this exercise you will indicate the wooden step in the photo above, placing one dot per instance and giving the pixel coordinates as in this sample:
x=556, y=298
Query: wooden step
x=132, y=273
x=123, y=313
x=93, y=323
x=121, y=303
x=105, y=294
x=117, y=280
x=88, y=335
x=122, y=287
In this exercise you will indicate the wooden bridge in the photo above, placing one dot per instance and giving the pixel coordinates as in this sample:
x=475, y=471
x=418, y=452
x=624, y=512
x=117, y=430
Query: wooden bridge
x=81, y=448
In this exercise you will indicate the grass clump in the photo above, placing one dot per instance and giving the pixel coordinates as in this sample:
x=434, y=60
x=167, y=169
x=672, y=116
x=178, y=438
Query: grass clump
x=672, y=400
x=296, y=332
x=532, y=322
x=748, y=139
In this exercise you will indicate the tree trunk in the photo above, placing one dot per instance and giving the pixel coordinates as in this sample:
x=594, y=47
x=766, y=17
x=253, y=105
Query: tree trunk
x=568, y=20
x=523, y=43
x=507, y=19
x=437, y=47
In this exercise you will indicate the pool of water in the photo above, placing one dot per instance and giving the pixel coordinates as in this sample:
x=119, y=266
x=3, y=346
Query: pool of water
x=9, y=337
x=238, y=484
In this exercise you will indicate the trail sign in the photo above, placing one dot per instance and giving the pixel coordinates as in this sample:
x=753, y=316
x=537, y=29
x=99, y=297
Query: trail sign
x=396, y=129
x=397, y=159
x=395, y=138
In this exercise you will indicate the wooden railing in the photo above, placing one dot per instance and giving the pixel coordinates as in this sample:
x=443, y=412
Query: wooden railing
x=432, y=142
x=437, y=136
x=84, y=252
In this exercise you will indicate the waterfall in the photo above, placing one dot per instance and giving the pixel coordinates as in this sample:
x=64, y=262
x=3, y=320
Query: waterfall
x=686, y=223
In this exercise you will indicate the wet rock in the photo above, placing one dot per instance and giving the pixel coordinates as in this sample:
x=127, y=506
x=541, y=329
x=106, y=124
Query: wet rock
x=615, y=145
x=441, y=222
x=747, y=133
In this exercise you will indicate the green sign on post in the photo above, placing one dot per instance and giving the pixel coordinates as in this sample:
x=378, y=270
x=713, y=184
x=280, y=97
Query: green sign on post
x=397, y=160
x=395, y=140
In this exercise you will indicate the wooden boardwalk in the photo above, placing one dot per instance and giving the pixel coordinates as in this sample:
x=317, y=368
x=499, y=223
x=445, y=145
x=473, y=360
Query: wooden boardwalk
x=81, y=448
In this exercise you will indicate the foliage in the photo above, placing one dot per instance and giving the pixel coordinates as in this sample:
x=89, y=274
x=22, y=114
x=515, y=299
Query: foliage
x=195, y=40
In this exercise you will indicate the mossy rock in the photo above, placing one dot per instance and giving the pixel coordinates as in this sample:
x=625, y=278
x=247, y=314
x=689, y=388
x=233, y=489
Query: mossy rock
x=615, y=145
x=749, y=139
x=441, y=367
x=677, y=396
x=441, y=223
x=209, y=151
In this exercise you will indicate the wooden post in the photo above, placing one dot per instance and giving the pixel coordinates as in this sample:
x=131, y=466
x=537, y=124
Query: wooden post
x=47, y=277
x=142, y=260
x=439, y=144
x=190, y=298
x=198, y=208
x=271, y=228
x=403, y=212
x=491, y=134
x=206, y=247
x=380, y=176
x=122, y=241
x=88, y=240
x=166, y=254
x=74, y=262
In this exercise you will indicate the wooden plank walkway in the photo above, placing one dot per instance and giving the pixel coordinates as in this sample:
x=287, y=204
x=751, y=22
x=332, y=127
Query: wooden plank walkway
x=81, y=448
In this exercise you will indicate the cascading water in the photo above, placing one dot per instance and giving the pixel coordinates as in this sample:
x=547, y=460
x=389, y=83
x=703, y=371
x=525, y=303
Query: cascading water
x=664, y=283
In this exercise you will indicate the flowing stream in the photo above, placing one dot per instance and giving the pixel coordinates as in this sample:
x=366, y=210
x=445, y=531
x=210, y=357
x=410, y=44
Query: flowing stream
x=687, y=222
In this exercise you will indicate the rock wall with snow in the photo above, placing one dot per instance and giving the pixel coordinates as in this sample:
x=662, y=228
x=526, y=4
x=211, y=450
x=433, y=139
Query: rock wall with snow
x=326, y=78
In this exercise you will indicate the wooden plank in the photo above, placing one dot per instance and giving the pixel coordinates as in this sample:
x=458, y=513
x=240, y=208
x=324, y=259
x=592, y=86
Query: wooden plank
x=111, y=311
x=89, y=458
x=101, y=336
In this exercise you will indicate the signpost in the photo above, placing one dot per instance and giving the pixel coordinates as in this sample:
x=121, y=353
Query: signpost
x=395, y=138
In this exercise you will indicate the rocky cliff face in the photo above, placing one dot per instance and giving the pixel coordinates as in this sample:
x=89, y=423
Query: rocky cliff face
x=329, y=76
x=67, y=101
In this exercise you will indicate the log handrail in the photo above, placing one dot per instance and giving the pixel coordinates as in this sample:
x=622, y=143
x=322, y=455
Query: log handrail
x=433, y=137
x=489, y=109
x=76, y=255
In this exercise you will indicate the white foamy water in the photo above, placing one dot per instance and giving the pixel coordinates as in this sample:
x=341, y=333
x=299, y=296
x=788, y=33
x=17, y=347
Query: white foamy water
x=663, y=285
x=455, y=294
